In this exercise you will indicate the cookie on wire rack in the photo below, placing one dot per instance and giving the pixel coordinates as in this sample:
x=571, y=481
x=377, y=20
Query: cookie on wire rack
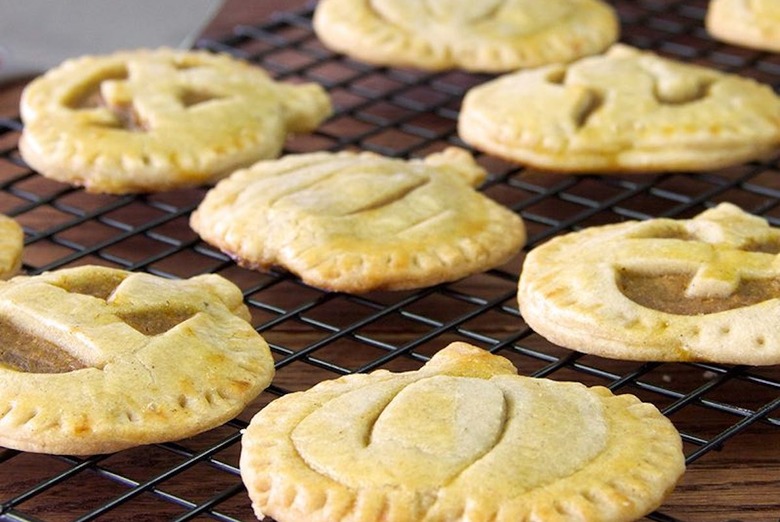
x=96, y=359
x=622, y=112
x=159, y=119
x=700, y=289
x=358, y=222
x=464, y=438
x=484, y=35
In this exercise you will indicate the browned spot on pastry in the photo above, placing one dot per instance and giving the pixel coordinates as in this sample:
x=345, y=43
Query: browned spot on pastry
x=666, y=293
x=22, y=351
x=155, y=322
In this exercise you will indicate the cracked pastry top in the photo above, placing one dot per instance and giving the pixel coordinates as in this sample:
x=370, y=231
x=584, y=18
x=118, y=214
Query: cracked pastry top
x=484, y=35
x=625, y=111
x=96, y=359
x=154, y=120
x=748, y=23
x=700, y=289
x=464, y=438
x=356, y=222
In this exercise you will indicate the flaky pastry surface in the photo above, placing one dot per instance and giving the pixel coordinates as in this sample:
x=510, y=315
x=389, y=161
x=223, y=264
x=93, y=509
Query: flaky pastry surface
x=159, y=119
x=462, y=439
x=96, y=359
x=624, y=111
x=487, y=35
x=700, y=289
x=356, y=222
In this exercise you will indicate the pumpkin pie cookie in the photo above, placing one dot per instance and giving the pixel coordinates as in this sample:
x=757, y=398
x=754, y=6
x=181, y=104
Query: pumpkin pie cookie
x=486, y=35
x=154, y=120
x=748, y=23
x=463, y=438
x=95, y=359
x=696, y=289
x=11, y=247
x=625, y=111
x=356, y=222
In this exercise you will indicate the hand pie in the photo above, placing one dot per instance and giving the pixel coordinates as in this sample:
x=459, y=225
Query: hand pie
x=11, y=247
x=749, y=23
x=484, y=35
x=356, y=222
x=153, y=120
x=698, y=289
x=95, y=360
x=625, y=111
x=462, y=439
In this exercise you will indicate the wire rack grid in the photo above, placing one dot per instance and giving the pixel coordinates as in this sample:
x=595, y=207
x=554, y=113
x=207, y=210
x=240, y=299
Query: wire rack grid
x=316, y=335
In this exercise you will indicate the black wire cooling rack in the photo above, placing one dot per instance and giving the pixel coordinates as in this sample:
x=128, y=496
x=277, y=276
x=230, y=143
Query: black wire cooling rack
x=316, y=335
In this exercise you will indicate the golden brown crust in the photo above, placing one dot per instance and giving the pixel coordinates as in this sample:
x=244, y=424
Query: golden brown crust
x=749, y=23
x=488, y=36
x=151, y=120
x=625, y=111
x=661, y=289
x=356, y=222
x=463, y=438
x=130, y=359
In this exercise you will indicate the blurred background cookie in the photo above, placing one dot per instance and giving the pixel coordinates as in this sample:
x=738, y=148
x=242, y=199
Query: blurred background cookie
x=749, y=23
x=484, y=35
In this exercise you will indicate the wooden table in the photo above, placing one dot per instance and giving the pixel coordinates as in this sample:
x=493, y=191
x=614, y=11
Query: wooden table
x=729, y=416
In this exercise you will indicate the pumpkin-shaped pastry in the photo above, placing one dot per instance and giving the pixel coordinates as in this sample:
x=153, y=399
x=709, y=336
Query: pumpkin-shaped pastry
x=700, y=289
x=159, y=119
x=96, y=359
x=464, y=438
x=484, y=35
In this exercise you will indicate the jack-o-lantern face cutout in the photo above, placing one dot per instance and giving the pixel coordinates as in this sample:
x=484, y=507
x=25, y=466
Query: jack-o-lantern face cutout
x=147, y=120
x=700, y=289
x=96, y=359
x=626, y=110
x=463, y=438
